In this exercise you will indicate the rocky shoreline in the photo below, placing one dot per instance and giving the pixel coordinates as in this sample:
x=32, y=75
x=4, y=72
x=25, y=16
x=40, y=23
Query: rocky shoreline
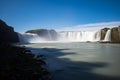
x=17, y=62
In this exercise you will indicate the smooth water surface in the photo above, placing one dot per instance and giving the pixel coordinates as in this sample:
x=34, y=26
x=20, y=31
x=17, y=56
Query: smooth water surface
x=81, y=61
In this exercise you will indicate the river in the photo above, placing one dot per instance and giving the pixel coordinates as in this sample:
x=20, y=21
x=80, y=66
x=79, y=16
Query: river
x=80, y=61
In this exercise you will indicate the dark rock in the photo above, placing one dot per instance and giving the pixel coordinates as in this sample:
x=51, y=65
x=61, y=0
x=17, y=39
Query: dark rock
x=16, y=62
x=115, y=35
x=40, y=56
x=17, y=65
x=105, y=42
x=103, y=33
x=44, y=33
x=88, y=41
x=41, y=62
x=7, y=33
x=27, y=52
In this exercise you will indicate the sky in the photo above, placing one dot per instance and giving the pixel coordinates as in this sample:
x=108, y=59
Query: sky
x=25, y=15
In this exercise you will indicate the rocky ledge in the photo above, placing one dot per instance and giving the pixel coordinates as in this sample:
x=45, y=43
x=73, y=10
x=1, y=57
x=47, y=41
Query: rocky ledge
x=16, y=62
x=45, y=33
x=7, y=33
x=115, y=35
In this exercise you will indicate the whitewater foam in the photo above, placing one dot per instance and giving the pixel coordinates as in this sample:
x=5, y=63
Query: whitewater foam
x=65, y=36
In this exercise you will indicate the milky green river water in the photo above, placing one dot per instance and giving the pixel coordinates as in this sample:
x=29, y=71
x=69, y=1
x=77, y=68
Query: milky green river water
x=81, y=61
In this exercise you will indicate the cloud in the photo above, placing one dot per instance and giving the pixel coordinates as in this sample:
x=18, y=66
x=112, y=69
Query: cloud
x=92, y=26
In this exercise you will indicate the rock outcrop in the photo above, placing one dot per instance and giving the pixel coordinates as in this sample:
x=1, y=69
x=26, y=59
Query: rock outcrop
x=44, y=33
x=7, y=33
x=115, y=35
x=103, y=33
x=16, y=62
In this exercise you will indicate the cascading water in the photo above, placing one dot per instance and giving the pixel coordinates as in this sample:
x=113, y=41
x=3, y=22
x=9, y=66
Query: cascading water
x=64, y=36
x=49, y=35
x=29, y=38
x=81, y=36
x=45, y=35
x=108, y=35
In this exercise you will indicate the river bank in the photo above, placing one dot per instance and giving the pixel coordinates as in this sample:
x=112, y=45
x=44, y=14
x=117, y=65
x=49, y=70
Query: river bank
x=19, y=63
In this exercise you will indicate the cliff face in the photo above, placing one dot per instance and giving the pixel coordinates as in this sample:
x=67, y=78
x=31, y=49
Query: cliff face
x=7, y=33
x=18, y=63
x=44, y=33
x=103, y=33
x=115, y=35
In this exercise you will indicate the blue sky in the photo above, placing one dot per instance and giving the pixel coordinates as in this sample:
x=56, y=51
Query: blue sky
x=57, y=14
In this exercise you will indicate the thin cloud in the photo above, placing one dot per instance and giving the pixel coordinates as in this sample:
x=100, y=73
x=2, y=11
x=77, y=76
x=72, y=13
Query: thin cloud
x=92, y=26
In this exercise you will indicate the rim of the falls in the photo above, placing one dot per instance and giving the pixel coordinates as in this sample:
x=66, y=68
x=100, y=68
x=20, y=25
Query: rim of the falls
x=63, y=37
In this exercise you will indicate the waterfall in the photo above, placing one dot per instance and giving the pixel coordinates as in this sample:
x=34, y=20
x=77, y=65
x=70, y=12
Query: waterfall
x=29, y=38
x=49, y=35
x=81, y=36
x=108, y=35
x=67, y=36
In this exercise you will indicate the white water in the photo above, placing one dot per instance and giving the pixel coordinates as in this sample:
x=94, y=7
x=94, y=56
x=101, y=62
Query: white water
x=50, y=37
x=65, y=36
x=29, y=38
x=108, y=36
x=80, y=36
